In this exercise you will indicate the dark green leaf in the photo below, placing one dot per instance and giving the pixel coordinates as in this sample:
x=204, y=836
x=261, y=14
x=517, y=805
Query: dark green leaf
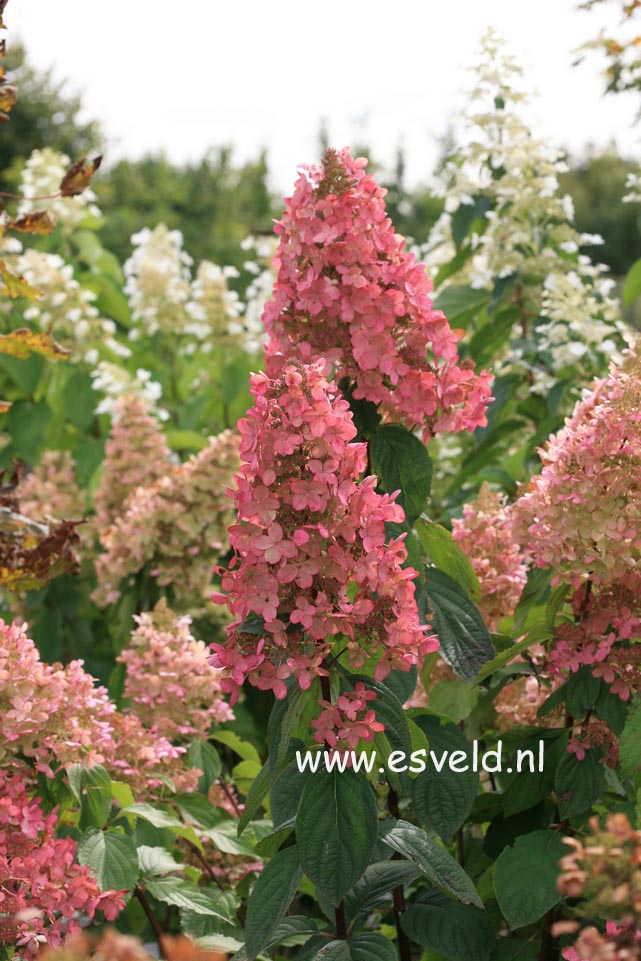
x=426, y=852
x=401, y=462
x=202, y=755
x=270, y=898
x=630, y=740
x=336, y=830
x=456, y=931
x=525, y=877
x=578, y=783
x=371, y=947
x=443, y=800
x=443, y=551
x=465, y=642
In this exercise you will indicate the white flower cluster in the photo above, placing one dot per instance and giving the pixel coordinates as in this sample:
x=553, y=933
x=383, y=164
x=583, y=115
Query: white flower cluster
x=633, y=186
x=41, y=178
x=527, y=231
x=66, y=308
x=113, y=381
x=213, y=310
x=260, y=288
x=157, y=281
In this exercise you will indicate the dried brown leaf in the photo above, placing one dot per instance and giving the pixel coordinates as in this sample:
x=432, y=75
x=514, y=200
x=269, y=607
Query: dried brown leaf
x=14, y=285
x=22, y=343
x=40, y=222
x=78, y=177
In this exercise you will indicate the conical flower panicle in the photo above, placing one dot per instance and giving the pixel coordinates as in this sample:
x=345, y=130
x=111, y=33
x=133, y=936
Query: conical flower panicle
x=312, y=569
x=348, y=292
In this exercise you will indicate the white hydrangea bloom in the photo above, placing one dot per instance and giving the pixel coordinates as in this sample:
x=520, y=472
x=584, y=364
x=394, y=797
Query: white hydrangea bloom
x=528, y=232
x=158, y=281
x=41, y=178
x=64, y=307
x=113, y=381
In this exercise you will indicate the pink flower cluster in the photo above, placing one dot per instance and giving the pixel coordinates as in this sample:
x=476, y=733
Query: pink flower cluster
x=581, y=516
x=485, y=534
x=349, y=720
x=349, y=293
x=170, y=683
x=136, y=455
x=57, y=715
x=50, y=491
x=312, y=572
x=43, y=890
x=176, y=527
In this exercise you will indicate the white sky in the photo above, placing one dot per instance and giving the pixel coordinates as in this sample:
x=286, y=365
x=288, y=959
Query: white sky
x=184, y=75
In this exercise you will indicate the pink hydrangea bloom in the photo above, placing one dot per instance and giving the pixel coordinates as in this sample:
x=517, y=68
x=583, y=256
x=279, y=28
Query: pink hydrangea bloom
x=582, y=514
x=58, y=716
x=44, y=892
x=348, y=292
x=51, y=491
x=136, y=454
x=316, y=571
x=485, y=534
x=176, y=527
x=349, y=720
x=170, y=683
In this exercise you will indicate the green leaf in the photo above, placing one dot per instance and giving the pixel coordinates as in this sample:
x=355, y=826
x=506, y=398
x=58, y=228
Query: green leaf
x=578, y=783
x=290, y=927
x=525, y=877
x=161, y=819
x=401, y=462
x=492, y=336
x=336, y=830
x=465, y=642
x=198, y=810
x=189, y=440
x=333, y=951
x=374, y=887
x=184, y=894
x=156, y=861
x=111, y=857
x=371, y=947
x=92, y=788
x=443, y=800
x=456, y=931
x=202, y=755
x=243, y=748
x=122, y=794
x=268, y=846
x=527, y=787
x=443, y=551
x=454, y=700
x=630, y=740
x=464, y=217
x=270, y=898
x=632, y=283
x=285, y=718
x=511, y=652
x=225, y=837
x=460, y=304
x=426, y=852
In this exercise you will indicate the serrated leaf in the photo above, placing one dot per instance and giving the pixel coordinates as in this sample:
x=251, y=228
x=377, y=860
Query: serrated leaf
x=376, y=885
x=336, y=830
x=578, y=783
x=525, y=877
x=243, y=748
x=270, y=898
x=401, y=462
x=444, y=800
x=333, y=951
x=630, y=740
x=457, y=932
x=202, y=755
x=632, y=283
x=465, y=642
x=371, y=947
x=426, y=852
x=111, y=857
x=443, y=551
x=184, y=894
x=156, y=861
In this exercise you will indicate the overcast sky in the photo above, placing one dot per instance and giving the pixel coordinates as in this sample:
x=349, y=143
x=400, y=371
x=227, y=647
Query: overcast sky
x=184, y=75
